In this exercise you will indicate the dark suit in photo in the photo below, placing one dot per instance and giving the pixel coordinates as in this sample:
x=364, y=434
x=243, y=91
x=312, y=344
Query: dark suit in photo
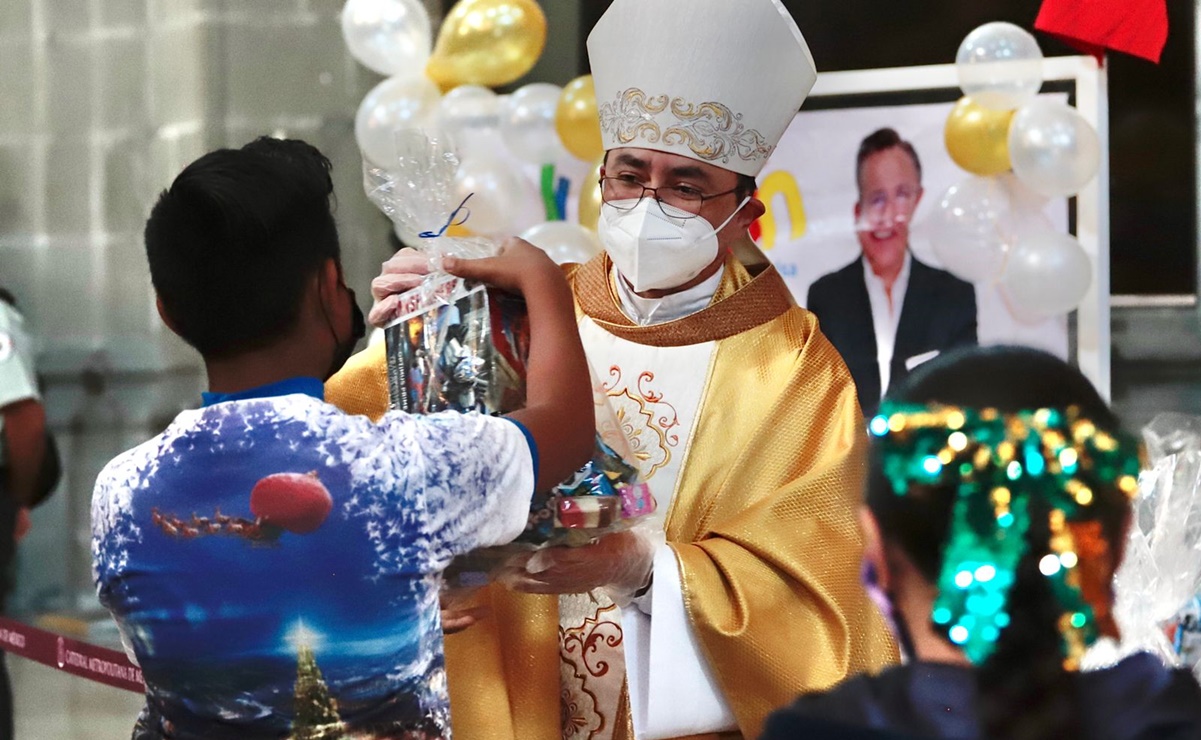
x=939, y=314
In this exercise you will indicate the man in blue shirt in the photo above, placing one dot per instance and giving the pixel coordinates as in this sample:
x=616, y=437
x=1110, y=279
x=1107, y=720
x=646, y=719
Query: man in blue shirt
x=273, y=563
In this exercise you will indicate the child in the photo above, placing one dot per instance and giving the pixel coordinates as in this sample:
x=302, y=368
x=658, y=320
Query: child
x=272, y=563
x=999, y=496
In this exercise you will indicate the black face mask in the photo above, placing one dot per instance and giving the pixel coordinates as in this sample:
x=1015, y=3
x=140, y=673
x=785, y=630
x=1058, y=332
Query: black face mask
x=358, y=329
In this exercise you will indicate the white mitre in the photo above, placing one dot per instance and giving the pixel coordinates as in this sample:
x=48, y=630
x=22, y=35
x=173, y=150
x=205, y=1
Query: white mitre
x=714, y=80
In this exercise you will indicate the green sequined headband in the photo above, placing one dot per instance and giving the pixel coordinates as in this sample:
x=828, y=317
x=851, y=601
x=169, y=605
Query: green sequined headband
x=999, y=464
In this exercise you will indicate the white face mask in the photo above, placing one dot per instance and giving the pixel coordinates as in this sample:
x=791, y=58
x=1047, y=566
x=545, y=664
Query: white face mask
x=656, y=251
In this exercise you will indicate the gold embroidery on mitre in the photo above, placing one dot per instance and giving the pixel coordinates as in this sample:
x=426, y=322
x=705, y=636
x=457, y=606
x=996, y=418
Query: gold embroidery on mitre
x=711, y=130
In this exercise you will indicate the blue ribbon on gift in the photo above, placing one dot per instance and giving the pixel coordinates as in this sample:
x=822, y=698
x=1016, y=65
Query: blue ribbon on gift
x=451, y=220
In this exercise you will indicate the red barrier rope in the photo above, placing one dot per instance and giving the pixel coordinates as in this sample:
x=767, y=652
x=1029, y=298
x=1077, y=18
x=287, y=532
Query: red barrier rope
x=92, y=662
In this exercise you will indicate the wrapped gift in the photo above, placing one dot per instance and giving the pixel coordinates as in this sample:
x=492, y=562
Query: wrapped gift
x=458, y=347
x=1156, y=587
x=455, y=346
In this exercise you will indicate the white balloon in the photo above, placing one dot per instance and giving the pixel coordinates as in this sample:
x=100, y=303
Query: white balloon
x=1000, y=66
x=1054, y=150
x=565, y=242
x=391, y=37
x=468, y=106
x=498, y=195
x=527, y=123
x=394, y=104
x=970, y=229
x=1048, y=274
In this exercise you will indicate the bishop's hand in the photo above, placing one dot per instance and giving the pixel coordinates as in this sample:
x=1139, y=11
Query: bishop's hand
x=620, y=563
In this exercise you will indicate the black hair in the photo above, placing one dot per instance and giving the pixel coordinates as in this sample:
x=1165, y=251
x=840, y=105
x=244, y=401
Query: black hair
x=746, y=186
x=881, y=141
x=235, y=239
x=1023, y=689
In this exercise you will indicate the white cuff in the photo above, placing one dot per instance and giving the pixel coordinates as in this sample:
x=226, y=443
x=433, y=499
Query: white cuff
x=664, y=662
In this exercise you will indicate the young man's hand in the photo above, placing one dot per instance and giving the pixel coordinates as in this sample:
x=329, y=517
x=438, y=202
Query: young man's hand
x=23, y=525
x=518, y=266
x=403, y=272
x=461, y=610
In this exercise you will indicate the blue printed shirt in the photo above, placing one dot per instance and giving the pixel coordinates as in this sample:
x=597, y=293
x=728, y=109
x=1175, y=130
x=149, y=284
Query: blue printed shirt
x=273, y=563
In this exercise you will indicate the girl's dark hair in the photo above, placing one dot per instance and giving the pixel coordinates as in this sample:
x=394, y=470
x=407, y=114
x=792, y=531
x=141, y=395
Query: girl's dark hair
x=1023, y=690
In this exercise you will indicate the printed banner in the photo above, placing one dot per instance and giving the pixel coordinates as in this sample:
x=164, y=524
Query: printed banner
x=810, y=189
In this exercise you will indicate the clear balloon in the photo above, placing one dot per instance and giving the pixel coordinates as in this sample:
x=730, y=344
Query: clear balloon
x=565, y=242
x=1000, y=66
x=1048, y=274
x=577, y=120
x=527, y=123
x=468, y=106
x=488, y=42
x=971, y=229
x=590, y=197
x=499, y=195
x=977, y=138
x=392, y=37
x=1054, y=150
x=394, y=104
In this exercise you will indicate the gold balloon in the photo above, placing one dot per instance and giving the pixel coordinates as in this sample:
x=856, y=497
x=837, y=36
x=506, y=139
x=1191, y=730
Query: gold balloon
x=590, y=197
x=978, y=138
x=487, y=42
x=577, y=121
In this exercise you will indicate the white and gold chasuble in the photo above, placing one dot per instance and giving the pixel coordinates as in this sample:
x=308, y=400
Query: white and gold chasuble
x=655, y=393
x=745, y=420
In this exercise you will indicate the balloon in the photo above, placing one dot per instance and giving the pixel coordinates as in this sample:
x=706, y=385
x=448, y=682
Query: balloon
x=391, y=37
x=467, y=106
x=978, y=138
x=590, y=197
x=498, y=194
x=527, y=123
x=1048, y=274
x=565, y=242
x=488, y=42
x=1055, y=151
x=1000, y=66
x=577, y=120
x=394, y=104
x=971, y=229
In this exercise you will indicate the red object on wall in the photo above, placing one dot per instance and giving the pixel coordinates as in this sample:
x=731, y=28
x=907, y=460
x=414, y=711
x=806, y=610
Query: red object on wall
x=1136, y=27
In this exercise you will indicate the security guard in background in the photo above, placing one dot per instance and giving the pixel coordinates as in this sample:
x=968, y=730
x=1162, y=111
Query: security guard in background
x=23, y=457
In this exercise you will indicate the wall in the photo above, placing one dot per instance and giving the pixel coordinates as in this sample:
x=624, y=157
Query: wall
x=105, y=101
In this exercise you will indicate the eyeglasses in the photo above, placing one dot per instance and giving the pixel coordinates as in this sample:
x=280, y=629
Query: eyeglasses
x=625, y=193
x=904, y=201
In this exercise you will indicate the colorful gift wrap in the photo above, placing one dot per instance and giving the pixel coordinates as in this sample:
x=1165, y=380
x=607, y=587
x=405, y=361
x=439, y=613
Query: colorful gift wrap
x=1184, y=633
x=587, y=512
x=636, y=500
x=458, y=347
x=463, y=347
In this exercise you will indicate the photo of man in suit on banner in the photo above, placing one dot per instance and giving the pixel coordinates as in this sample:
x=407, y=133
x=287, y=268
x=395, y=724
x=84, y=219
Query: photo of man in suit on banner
x=887, y=311
x=900, y=253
